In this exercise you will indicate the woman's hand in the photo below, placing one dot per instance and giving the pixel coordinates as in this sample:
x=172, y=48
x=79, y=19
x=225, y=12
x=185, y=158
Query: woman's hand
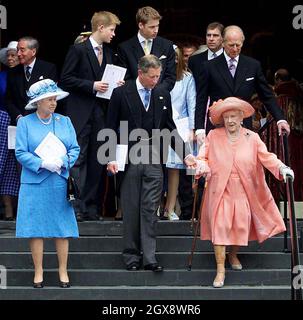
x=202, y=170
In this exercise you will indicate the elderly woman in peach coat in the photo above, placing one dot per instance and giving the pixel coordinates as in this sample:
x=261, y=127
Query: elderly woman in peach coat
x=238, y=205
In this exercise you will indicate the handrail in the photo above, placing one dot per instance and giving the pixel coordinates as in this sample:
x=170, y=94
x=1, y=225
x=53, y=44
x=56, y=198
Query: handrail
x=285, y=240
x=296, y=293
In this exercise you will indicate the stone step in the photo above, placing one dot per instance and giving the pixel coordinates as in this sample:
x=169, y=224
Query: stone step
x=115, y=243
x=115, y=228
x=170, y=277
x=176, y=260
x=159, y=293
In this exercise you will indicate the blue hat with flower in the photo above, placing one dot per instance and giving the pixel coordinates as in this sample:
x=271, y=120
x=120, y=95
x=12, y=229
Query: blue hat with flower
x=43, y=89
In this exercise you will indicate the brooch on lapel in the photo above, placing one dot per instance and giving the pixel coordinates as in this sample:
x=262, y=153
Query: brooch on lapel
x=247, y=135
x=162, y=57
x=160, y=97
x=41, y=78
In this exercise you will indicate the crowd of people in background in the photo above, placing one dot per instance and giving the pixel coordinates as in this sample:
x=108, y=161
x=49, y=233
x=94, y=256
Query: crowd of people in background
x=164, y=84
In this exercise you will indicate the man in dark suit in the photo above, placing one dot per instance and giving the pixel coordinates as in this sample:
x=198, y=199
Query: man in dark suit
x=145, y=42
x=145, y=108
x=21, y=77
x=214, y=41
x=81, y=76
x=234, y=74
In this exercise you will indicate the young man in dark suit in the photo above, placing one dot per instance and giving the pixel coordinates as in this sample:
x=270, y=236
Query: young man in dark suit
x=233, y=74
x=147, y=41
x=81, y=76
x=144, y=107
x=20, y=78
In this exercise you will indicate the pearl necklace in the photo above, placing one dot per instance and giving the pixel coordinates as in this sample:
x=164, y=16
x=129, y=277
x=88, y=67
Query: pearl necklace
x=44, y=122
x=233, y=138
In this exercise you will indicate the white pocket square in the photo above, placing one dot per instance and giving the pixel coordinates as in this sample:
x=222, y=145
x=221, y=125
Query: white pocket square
x=164, y=108
x=41, y=78
x=249, y=79
x=162, y=57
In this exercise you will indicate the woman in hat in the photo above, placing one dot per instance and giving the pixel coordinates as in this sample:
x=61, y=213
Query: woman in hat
x=43, y=209
x=9, y=177
x=238, y=205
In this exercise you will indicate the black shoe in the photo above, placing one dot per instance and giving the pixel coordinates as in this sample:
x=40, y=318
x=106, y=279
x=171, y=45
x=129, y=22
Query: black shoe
x=79, y=216
x=9, y=219
x=92, y=217
x=155, y=267
x=185, y=216
x=38, y=285
x=64, y=284
x=133, y=267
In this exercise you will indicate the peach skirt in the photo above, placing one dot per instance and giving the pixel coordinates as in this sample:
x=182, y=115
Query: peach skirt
x=233, y=218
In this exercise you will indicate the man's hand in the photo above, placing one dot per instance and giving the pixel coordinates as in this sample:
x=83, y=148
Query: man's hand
x=121, y=83
x=283, y=126
x=112, y=167
x=190, y=161
x=101, y=86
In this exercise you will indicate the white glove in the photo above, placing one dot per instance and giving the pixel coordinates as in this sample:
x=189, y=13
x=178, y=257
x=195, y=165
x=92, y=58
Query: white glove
x=51, y=165
x=58, y=162
x=284, y=171
x=203, y=170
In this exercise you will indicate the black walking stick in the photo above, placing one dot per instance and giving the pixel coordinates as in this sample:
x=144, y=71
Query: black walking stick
x=193, y=247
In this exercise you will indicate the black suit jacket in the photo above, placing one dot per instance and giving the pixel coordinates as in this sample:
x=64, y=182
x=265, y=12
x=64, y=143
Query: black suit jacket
x=17, y=85
x=217, y=83
x=126, y=105
x=130, y=51
x=195, y=64
x=79, y=72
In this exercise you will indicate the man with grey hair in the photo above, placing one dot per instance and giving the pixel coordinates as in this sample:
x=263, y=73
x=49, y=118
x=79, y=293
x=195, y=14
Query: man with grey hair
x=146, y=108
x=20, y=78
x=233, y=74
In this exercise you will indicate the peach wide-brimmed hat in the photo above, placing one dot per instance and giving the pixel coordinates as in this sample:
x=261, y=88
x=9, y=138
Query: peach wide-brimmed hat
x=231, y=103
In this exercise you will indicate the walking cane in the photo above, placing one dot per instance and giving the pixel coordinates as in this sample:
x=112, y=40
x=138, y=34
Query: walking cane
x=193, y=247
x=195, y=188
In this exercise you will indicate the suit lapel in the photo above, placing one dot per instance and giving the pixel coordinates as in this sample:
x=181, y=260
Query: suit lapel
x=222, y=68
x=240, y=73
x=137, y=48
x=134, y=103
x=156, y=48
x=106, y=53
x=158, y=108
x=92, y=58
x=20, y=81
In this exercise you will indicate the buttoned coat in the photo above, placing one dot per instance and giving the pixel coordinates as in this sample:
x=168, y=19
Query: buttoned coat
x=250, y=157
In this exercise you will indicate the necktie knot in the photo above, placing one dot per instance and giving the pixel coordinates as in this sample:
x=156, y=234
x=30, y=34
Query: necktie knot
x=146, y=97
x=100, y=54
x=147, y=46
x=214, y=55
x=27, y=73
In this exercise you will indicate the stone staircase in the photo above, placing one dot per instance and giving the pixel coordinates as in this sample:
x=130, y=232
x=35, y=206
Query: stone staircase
x=97, y=273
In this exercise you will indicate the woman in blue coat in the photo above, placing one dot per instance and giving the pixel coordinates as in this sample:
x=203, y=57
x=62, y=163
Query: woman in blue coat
x=43, y=208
